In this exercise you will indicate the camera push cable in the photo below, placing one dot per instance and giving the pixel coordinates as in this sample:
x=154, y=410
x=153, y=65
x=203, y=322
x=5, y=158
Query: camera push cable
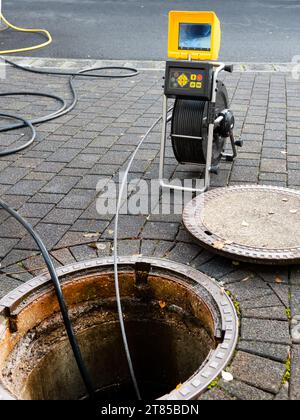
x=130, y=72
x=115, y=254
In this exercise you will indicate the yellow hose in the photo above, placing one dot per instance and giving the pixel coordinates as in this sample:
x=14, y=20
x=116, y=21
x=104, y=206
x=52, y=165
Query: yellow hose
x=34, y=47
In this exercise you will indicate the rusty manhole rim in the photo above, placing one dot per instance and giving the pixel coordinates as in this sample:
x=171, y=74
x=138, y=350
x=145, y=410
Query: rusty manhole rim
x=216, y=361
x=192, y=212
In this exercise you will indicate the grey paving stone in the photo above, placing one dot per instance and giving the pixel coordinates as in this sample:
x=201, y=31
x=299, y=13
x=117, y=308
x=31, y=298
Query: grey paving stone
x=148, y=247
x=272, y=274
x=10, y=228
x=248, y=290
x=54, y=167
x=37, y=210
x=295, y=276
x=12, y=175
x=114, y=158
x=295, y=374
x=89, y=226
x=238, y=275
x=273, y=165
x=62, y=216
x=274, y=312
x=77, y=199
x=83, y=252
x=201, y=259
x=183, y=253
x=160, y=230
x=26, y=187
x=89, y=182
x=86, y=160
x=129, y=247
x=216, y=394
x=16, y=255
x=46, y=198
x=259, y=372
x=242, y=173
x=266, y=301
x=282, y=292
x=60, y=185
x=49, y=233
x=265, y=330
x=217, y=267
x=63, y=256
x=244, y=392
x=7, y=284
x=295, y=300
x=277, y=352
x=6, y=245
x=63, y=155
x=74, y=238
x=129, y=227
x=283, y=394
x=162, y=249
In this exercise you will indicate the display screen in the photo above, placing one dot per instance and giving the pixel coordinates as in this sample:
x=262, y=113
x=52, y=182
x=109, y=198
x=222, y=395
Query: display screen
x=195, y=36
x=186, y=79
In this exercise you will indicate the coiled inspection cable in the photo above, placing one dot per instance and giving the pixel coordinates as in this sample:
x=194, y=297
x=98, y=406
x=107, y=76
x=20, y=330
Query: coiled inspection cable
x=29, y=30
x=115, y=255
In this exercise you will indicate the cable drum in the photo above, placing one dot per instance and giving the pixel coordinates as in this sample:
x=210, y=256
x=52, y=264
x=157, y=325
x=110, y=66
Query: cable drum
x=189, y=129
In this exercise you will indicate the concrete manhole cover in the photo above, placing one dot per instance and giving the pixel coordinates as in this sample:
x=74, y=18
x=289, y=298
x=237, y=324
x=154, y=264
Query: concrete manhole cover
x=249, y=223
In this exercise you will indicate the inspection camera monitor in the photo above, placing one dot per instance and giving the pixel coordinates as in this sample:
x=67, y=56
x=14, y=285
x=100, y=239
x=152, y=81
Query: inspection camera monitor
x=201, y=120
x=194, y=36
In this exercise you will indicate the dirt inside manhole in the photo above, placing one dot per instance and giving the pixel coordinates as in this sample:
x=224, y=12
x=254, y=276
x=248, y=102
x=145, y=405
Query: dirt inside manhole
x=171, y=331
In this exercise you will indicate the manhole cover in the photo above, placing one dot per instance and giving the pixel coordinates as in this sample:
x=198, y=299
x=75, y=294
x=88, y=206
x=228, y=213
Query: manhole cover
x=250, y=223
x=181, y=326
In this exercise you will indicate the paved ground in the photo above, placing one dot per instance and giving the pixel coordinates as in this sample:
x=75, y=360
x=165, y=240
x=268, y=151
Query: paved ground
x=53, y=184
x=253, y=30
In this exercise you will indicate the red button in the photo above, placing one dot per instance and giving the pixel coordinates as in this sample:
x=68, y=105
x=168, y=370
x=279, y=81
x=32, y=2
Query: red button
x=199, y=77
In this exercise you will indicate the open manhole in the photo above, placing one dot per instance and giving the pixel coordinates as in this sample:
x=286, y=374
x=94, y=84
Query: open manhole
x=258, y=224
x=182, y=329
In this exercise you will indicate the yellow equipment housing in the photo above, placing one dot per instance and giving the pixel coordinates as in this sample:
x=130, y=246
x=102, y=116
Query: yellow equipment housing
x=194, y=36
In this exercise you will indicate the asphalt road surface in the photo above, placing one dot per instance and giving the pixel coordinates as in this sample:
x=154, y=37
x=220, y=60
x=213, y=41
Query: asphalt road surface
x=253, y=30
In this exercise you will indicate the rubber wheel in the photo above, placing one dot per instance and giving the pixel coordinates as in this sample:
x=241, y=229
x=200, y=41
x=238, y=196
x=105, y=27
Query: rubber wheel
x=190, y=119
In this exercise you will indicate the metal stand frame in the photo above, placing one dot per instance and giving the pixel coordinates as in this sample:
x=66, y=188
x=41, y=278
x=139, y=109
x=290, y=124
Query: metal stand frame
x=208, y=166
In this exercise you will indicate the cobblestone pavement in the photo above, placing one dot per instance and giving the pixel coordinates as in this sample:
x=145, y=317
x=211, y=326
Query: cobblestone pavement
x=53, y=183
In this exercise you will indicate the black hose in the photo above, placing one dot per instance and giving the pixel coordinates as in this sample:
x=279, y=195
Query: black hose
x=62, y=304
x=26, y=123
x=28, y=143
x=131, y=72
x=36, y=120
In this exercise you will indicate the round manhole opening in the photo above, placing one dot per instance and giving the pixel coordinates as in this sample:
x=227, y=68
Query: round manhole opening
x=182, y=330
x=252, y=223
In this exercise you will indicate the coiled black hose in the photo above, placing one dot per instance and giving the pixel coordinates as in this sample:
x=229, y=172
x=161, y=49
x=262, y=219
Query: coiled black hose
x=26, y=123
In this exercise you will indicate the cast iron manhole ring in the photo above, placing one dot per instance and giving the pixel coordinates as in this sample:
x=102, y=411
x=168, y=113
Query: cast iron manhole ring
x=251, y=223
x=226, y=324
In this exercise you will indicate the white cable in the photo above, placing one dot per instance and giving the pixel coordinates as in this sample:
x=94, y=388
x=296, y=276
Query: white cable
x=115, y=256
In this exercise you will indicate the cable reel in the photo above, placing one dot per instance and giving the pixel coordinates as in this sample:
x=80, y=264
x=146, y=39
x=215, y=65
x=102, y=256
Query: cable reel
x=189, y=128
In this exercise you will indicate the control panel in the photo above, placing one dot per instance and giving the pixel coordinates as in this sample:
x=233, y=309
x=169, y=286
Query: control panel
x=186, y=78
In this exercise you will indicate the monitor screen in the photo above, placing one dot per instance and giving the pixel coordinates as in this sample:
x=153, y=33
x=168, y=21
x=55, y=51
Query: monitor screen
x=194, y=36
